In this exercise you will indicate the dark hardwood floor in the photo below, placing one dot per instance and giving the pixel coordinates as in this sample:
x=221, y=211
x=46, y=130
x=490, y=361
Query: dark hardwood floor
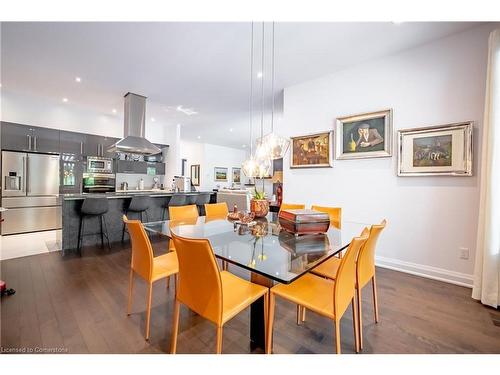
x=78, y=305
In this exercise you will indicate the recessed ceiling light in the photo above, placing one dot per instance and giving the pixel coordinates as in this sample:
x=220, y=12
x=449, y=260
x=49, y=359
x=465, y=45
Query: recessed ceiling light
x=153, y=119
x=199, y=137
x=186, y=111
x=259, y=75
x=231, y=129
x=65, y=100
x=78, y=79
x=113, y=110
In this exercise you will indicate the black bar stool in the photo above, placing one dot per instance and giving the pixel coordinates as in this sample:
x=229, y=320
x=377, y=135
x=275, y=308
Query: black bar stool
x=176, y=200
x=93, y=207
x=201, y=199
x=138, y=205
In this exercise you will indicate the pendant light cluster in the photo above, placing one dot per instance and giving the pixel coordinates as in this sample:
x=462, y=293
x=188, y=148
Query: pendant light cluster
x=271, y=146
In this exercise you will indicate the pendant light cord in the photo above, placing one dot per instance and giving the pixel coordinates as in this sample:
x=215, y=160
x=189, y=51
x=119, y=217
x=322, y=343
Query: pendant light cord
x=251, y=93
x=272, y=85
x=262, y=88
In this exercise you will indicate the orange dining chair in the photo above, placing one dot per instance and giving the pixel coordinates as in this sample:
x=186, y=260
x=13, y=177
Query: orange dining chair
x=365, y=272
x=323, y=296
x=335, y=214
x=216, y=210
x=216, y=295
x=179, y=213
x=292, y=206
x=147, y=266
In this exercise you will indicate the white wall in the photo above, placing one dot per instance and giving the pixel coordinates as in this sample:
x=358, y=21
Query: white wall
x=430, y=218
x=210, y=156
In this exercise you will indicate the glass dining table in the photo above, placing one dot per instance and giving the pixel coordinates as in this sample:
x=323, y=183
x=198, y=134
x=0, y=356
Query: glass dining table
x=266, y=250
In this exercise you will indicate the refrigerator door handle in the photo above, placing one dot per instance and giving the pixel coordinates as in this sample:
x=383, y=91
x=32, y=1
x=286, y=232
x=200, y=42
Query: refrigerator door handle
x=26, y=173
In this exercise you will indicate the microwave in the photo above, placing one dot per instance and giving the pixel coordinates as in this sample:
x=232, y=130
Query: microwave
x=99, y=165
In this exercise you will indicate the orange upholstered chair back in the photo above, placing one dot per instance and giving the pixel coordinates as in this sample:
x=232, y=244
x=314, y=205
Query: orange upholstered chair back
x=345, y=283
x=142, y=252
x=200, y=285
x=292, y=206
x=366, y=257
x=335, y=214
x=179, y=213
x=216, y=210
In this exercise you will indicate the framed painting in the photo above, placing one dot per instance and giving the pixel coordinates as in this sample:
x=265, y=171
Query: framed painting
x=195, y=174
x=311, y=151
x=436, y=150
x=368, y=135
x=236, y=175
x=220, y=174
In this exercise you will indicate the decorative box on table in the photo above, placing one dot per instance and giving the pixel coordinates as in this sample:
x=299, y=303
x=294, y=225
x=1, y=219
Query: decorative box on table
x=304, y=221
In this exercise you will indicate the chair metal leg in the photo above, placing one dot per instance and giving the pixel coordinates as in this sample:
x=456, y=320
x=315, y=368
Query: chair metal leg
x=303, y=315
x=219, y=339
x=360, y=317
x=355, y=324
x=106, y=231
x=148, y=309
x=130, y=290
x=175, y=327
x=79, y=244
x=299, y=314
x=168, y=282
x=270, y=323
x=224, y=265
x=337, y=336
x=124, y=227
x=375, y=299
x=102, y=233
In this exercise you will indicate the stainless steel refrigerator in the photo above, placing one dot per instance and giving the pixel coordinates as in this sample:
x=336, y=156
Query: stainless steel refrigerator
x=30, y=190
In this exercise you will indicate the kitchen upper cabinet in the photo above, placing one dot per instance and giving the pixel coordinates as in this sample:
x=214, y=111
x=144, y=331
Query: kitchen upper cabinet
x=16, y=137
x=130, y=166
x=45, y=140
x=72, y=143
x=96, y=145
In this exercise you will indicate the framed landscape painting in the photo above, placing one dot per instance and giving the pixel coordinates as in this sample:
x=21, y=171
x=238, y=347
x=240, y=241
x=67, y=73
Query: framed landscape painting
x=236, y=175
x=436, y=150
x=311, y=151
x=220, y=174
x=368, y=135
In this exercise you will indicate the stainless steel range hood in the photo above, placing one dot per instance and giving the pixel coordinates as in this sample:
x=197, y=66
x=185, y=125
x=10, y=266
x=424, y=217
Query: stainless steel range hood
x=135, y=128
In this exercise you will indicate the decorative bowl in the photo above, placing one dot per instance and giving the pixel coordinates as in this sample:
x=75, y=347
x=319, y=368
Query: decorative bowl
x=245, y=217
x=233, y=216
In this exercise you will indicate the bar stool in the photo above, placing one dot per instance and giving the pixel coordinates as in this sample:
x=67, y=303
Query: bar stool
x=201, y=200
x=139, y=206
x=176, y=200
x=93, y=207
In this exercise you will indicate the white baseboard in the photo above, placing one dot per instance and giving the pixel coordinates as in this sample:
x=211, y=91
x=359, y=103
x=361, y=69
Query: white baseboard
x=429, y=272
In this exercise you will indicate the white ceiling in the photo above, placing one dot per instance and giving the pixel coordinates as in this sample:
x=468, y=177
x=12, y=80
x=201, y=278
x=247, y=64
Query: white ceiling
x=204, y=66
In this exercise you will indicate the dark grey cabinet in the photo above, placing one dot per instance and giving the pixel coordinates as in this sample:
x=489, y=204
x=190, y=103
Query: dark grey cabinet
x=16, y=137
x=72, y=143
x=96, y=145
x=45, y=140
x=129, y=166
x=107, y=142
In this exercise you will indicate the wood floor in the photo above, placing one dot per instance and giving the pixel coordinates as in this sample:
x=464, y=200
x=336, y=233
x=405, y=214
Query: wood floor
x=78, y=305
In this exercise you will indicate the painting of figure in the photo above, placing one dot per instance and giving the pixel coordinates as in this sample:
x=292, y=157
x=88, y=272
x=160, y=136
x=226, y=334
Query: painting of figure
x=432, y=151
x=311, y=151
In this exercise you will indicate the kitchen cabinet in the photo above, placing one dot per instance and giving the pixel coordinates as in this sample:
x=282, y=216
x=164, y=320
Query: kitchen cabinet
x=16, y=137
x=160, y=169
x=96, y=145
x=45, y=140
x=129, y=166
x=72, y=143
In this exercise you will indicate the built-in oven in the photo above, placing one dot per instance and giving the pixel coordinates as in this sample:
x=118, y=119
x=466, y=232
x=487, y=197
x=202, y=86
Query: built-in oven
x=98, y=182
x=99, y=165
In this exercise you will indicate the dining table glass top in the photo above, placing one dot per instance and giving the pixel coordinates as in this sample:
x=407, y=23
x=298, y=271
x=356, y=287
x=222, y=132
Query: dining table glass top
x=264, y=248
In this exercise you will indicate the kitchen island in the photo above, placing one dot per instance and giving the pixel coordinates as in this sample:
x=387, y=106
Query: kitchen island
x=118, y=204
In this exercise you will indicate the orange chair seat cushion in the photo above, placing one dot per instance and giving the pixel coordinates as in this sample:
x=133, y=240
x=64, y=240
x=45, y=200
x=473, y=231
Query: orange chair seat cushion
x=237, y=294
x=328, y=268
x=311, y=291
x=165, y=265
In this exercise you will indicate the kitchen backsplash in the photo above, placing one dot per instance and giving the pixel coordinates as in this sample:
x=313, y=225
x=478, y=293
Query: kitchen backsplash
x=133, y=180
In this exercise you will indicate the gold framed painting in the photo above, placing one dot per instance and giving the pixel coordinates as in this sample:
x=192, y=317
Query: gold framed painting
x=436, y=150
x=311, y=151
x=236, y=175
x=220, y=174
x=367, y=135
